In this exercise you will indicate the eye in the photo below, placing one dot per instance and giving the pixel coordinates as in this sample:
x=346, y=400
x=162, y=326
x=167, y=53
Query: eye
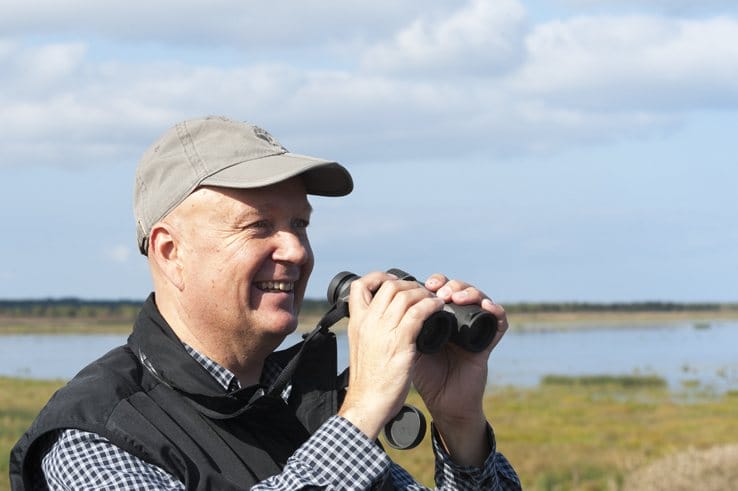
x=300, y=223
x=260, y=225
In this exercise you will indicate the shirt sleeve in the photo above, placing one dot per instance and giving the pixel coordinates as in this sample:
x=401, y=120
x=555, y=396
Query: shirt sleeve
x=339, y=453
x=495, y=474
x=80, y=460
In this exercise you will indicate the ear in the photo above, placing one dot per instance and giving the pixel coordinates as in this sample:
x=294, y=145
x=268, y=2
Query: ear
x=165, y=251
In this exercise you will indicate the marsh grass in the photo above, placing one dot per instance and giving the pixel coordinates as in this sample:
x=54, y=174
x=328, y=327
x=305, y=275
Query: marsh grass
x=55, y=326
x=559, y=436
x=591, y=436
x=623, y=381
x=20, y=401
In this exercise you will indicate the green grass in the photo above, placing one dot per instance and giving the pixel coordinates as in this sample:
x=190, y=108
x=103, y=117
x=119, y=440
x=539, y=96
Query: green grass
x=589, y=436
x=10, y=326
x=581, y=434
x=624, y=381
x=61, y=328
x=20, y=401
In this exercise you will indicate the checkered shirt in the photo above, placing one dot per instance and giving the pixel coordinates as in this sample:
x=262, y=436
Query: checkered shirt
x=337, y=456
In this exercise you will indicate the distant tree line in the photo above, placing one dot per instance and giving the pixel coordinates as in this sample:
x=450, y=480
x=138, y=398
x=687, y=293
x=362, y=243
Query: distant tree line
x=100, y=309
x=127, y=309
x=71, y=308
x=651, y=306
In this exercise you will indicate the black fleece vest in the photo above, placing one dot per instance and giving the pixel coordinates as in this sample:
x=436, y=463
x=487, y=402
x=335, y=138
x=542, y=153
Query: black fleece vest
x=153, y=400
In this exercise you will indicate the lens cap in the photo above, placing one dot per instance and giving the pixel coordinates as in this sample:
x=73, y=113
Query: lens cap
x=407, y=429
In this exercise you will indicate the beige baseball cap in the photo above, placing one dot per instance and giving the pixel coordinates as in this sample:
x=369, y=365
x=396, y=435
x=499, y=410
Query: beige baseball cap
x=218, y=151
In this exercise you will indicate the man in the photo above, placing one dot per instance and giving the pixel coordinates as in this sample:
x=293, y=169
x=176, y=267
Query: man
x=199, y=399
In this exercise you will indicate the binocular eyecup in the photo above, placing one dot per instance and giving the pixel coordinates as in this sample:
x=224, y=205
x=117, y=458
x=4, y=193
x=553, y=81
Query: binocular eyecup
x=467, y=326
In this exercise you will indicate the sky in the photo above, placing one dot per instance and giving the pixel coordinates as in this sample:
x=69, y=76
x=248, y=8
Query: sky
x=544, y=151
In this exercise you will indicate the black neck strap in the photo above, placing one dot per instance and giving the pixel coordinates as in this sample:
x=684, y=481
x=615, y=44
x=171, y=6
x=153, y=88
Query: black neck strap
x=336, y=313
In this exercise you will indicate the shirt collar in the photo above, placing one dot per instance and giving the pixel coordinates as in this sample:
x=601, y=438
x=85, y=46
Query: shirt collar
x=227, y=379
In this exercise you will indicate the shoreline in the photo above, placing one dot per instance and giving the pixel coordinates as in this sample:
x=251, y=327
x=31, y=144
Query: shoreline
x=519, y=322
x=587, y=320
x=569, y=321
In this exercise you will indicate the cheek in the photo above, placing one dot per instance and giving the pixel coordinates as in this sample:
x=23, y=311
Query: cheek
x=308, y=251
x=307, y=266
x=311, y=257
x=214, y=268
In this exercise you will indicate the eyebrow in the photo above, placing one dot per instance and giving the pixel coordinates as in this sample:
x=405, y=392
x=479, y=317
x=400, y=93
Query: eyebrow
x=265, y=208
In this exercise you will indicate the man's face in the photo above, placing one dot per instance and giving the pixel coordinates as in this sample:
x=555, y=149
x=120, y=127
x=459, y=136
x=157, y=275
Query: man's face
x=245, y=257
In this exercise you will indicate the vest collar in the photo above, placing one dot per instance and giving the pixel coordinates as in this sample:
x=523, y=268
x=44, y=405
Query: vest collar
x=161, y=352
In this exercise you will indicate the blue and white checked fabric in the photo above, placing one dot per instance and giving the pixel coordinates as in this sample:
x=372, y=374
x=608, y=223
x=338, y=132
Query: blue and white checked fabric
x=337, y=456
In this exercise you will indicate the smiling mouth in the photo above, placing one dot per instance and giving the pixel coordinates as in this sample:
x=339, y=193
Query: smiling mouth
x=275, y=286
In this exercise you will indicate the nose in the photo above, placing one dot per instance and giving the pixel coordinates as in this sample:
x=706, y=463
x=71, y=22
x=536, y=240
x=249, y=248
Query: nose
x=292, y=248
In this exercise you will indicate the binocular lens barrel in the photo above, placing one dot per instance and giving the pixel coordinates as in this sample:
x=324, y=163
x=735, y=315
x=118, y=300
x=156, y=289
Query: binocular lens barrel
x=468, y=326
x=476, y=327
x=436, y=331
x=338, y=288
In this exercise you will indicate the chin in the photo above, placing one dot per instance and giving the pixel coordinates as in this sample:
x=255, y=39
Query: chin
x=283, y=324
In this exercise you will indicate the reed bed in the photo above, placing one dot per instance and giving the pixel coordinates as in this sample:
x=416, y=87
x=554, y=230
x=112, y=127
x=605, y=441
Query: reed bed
x=604, y=433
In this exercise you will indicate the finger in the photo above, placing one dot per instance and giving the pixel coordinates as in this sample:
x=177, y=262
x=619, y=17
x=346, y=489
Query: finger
x=450, y=288
x=460, y=293
x=361, y=292
x=394, y=298
x=435, y=281
x=502, y=323
x=383, y=309
x=362, y=289
x=414, y=318
x=468, y=295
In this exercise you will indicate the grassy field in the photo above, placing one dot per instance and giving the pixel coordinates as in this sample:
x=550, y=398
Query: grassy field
x=20, y=400
x=567, y=434
x=592, y=433
x=10, y=326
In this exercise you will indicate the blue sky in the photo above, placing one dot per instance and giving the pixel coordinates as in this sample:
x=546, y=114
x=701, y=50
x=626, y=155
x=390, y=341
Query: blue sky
x=560, y=150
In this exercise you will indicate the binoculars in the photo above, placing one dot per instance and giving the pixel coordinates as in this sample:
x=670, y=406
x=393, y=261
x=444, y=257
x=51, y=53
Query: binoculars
x=468, y=326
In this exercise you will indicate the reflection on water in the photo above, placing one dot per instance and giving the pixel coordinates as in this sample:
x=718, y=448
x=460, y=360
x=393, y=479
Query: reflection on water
x=680, y=353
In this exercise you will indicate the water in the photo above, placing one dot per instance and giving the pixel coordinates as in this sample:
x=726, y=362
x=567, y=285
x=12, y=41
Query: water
x=52, y=356
x=677, y=352
x=680, y=353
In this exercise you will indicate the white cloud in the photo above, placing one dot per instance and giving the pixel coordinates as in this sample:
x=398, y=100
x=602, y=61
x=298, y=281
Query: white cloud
x=638, y=64
x=246, y=24
x=481, y=38
x=453, y=78
x=118, y=253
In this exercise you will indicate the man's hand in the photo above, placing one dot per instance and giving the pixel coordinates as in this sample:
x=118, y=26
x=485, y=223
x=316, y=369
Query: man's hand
x=386, y=317
x=452, y=381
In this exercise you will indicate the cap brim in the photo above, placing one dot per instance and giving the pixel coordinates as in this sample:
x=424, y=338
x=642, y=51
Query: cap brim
x=322, y=177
